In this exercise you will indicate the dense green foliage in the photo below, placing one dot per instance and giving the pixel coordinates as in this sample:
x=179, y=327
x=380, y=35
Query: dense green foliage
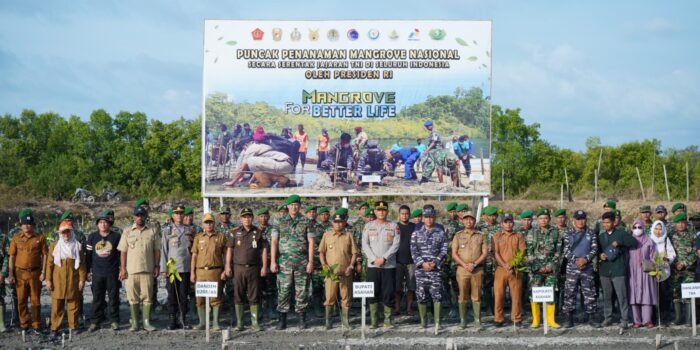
x=49, y=156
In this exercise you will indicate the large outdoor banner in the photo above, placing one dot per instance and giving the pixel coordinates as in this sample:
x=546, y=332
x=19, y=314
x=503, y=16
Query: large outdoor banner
x=343, y=108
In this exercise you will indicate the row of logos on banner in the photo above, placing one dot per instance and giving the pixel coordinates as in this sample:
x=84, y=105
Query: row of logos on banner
x=351, y=34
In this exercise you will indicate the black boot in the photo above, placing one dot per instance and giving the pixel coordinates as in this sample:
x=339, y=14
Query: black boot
x=302, y=320
x=592, y=322
x=173, y=322
x=423, y=179
x=281, y=321
x=569, y=320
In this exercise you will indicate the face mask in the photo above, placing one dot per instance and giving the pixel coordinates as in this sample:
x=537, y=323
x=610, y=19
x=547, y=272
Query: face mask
x=637, y=232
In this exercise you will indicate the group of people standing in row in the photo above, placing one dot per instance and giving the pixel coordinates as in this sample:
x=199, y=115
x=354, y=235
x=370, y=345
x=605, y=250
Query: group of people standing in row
x=297, y=261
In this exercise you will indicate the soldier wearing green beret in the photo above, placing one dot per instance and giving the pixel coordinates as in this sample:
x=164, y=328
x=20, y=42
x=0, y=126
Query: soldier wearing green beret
x=417, y=216
x=188, y=220
x=452, y=225
x=462, y=209
x=682, y=271
x=543, y=260
x=269, y=282
x=366, y=215
x=526, y=229
x=679, y=208
x=489, y=226
x=293, y=260
x=562, y=225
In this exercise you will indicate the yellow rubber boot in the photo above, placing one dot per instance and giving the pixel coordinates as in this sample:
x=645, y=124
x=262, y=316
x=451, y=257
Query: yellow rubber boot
x=536, y=312
x=550, y=317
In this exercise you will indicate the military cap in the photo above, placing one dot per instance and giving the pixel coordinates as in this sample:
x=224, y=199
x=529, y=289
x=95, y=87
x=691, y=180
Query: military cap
x=338, y=217
x=507, y=217
x=108, y=211
x=542, y=211
x=660, y=209
x=262, y=211
x=610, y=204
x=489, y=210
x=381, y=205
x=369, y=211
x=246, y=211
x=225, y=210
x=677, y=206
x=468, y=214
x=680, y=217
x=451, y=206
x=24, y=212
x=416, y=213
x=429, y=211
x=363, y=204
x=293, y=199
x=310, y=208
x=189, y=211
x=695, y=217
x=27, y=218
x=140, y=211
x=526, y=214
x=141, y=202
x=208, y=218
x=645, y=209
x=579, y=214
x=104, y=217
x=462, y=207
x=67, y=215
x=322, y=210
x=560, y=211
x=179, y=209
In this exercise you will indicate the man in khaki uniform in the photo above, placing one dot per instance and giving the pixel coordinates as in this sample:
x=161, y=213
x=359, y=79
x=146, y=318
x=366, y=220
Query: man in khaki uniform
x=208, y=254
x=338, y=247
x=65, y=277
x=140, y=253
x=469, y=252
x=26, y=268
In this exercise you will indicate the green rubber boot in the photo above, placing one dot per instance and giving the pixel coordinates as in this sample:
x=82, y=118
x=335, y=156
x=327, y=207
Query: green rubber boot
x=215, y=318
x=345, y=319
x=239, y=317
x=437, y=308
x=423, y=313
x=476, y=309
x=254, y=317
x=134, y=321
x=147, y=318
x=201, y=313
x=462, y=315
x=2, y=319
x=329, y=316
x=387, y=317
x=373, y=316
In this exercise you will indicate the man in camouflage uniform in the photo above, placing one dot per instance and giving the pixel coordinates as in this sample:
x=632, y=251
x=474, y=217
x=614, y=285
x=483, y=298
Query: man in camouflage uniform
x=317, y=282
x=224, y=224
x=324, y=221
x=372, y=161
x=525, y=229
x=645, y=217
x=269, y=282
x=682, y=270
x=361, y=262
x=543, y=262
x=562, y=226
x=489, y=227
x=344, y=154
x=428, y=250
x=452, y=226
x=293, y=259
x=188, y=220
x=580, y=247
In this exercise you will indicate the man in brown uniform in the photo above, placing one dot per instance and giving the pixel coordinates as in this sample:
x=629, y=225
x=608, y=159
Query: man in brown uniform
x=208, y=254
x=469, y=251
x=26, y=269
x=247, y=249
x=505, y=244
x=140, y=254
x=338, y=247
x=65, y=277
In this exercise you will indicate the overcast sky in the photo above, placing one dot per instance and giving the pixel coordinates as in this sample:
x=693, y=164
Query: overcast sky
x=623, y=70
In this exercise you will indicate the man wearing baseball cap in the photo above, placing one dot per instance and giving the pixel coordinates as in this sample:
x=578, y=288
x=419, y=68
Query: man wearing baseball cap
x=580, y=248
x=645, y=217
x=140, y=266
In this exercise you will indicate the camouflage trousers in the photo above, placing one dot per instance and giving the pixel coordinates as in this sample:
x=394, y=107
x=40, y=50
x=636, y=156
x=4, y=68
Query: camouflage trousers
x=438, y=159
x=293, y=277
x=429, y=286
x=541, y=280
x=677, y=279
x=574, y=276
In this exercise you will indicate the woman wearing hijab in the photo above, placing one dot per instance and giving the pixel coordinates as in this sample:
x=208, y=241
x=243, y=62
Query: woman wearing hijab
x=643, y=294
x=65, y=277
x=663, y=246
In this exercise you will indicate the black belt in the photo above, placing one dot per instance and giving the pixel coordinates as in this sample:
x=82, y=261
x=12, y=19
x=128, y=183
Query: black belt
x=31, y=269
x=248, y=265
x=210, y=268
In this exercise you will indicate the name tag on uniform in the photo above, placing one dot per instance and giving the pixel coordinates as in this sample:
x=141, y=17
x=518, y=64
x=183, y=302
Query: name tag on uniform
x=462, y=246
x=255, y=244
